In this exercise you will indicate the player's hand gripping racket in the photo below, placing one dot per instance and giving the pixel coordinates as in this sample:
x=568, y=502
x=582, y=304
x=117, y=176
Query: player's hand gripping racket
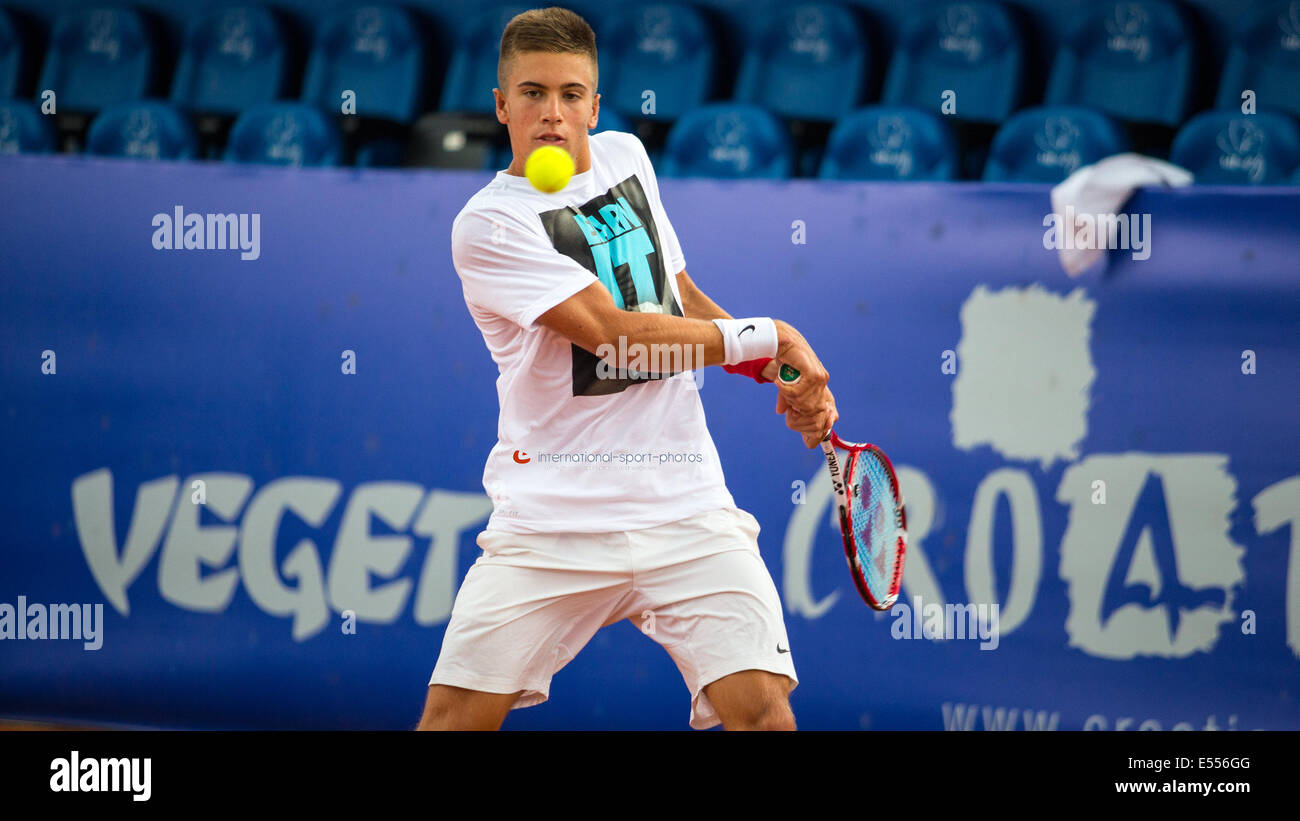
x=873, y=522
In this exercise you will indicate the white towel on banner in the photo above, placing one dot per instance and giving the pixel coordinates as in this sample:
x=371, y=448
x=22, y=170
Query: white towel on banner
x=1103, y=188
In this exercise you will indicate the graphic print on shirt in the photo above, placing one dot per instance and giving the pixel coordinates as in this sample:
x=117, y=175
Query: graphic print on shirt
x=613, y=235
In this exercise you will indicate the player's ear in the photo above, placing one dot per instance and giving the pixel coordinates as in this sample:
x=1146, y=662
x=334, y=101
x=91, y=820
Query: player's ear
x=503, y=116
x=595, y=112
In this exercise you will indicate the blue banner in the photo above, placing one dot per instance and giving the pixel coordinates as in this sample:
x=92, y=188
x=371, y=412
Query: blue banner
x=245, y=412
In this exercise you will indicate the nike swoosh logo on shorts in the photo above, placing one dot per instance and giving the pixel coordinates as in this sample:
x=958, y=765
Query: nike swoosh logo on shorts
x=779, y=650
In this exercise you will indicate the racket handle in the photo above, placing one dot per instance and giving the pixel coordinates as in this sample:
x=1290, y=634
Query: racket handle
x=789, y=375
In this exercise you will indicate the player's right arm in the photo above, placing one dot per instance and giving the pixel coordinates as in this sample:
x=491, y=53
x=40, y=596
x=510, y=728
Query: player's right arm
x=509, y=267
x=590, y=320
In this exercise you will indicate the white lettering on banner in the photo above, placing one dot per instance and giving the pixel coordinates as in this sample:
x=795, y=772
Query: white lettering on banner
x=1153, y=571
x=1150, y=572
x=1026, y=373
x=1149, y=565
x=309, y=500
x=446, y=515
x=962, y=717
x=1027, y=562
x=801, y=532
x=92, y=512
x=923, y=515
x=189, y=547
x=358, y=554
x=1275, y=506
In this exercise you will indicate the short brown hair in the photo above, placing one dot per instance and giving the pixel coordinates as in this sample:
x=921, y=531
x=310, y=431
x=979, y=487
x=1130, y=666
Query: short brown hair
x=553, y=30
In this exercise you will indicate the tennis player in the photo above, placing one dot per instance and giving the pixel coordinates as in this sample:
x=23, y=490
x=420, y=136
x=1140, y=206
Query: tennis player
x=609, y=501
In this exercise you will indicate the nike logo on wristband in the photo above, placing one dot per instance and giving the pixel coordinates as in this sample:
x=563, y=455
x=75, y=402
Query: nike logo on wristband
x=742, y=331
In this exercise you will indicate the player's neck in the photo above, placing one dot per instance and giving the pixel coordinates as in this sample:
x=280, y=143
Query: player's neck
x=516, y=167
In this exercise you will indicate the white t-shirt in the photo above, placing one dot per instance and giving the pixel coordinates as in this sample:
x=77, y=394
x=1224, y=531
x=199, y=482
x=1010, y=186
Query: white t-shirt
x=581, y=448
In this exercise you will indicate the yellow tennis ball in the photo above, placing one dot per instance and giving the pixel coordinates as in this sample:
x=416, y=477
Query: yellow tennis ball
x=549, y=169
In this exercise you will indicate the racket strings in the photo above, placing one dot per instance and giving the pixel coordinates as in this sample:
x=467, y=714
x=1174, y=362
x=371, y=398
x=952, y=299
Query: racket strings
x=875, y=523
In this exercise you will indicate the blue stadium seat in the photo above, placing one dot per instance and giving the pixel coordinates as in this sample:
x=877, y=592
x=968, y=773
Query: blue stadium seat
x=1048, y=144
x=146, y=130
x=100, y=57
x=663, y=48
x=379, y=53
x=808, y=62
x=24, y=129
x=14, y=57
x=890, y=143
x=233, y=58
x=975, y=50
x=729, y=140
x=1239, y=149
x=1134, y=60
x=292, y=134
x=1263, y=58
x=472, y=74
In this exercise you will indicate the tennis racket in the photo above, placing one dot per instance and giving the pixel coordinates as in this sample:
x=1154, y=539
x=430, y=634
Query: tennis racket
x=873, y=522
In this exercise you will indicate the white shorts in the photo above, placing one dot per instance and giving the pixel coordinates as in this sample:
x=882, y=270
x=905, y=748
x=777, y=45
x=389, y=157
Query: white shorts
x=697, y=586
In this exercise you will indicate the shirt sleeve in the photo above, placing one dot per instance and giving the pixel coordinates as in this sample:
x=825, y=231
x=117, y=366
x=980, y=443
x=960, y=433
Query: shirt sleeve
x=510, y=268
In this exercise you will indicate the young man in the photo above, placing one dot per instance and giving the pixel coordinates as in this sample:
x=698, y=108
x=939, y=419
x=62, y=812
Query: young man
x=575, y=544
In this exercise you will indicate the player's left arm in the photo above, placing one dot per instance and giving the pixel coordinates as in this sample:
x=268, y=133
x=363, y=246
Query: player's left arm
x=697, y=305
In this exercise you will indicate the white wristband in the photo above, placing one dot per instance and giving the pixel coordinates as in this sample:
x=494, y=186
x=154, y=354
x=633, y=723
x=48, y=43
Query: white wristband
x=746, y=339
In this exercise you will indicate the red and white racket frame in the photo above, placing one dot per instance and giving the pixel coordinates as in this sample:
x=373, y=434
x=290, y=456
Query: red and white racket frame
x=842, y=483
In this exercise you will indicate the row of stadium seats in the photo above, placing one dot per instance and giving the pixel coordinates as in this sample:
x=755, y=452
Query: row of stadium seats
x=808, y=69
x=1136, y=60
x=735, y=141
x=1044, y=144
